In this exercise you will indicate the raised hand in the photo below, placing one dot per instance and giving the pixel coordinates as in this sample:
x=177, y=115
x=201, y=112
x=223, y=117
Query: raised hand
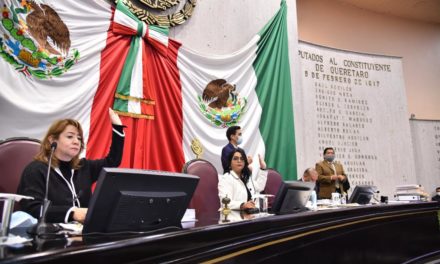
x=262, y=162
x=114, y=118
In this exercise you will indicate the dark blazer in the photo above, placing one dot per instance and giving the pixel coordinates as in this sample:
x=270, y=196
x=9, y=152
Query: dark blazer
x=326, y=185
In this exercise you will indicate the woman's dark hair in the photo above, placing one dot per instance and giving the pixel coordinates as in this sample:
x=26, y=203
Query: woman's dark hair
x=246, y=173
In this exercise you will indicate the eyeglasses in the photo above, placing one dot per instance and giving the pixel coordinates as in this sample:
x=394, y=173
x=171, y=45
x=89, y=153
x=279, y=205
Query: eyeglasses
x=238, y=158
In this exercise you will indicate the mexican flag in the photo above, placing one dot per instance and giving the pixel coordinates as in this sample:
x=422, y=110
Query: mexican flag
x=172, y=99
x=263, y=107
x=38, y=86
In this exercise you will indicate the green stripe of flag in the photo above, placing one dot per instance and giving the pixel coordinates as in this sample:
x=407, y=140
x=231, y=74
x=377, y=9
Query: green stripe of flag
x=162, y=30
x=275, y=95
x=124, y=83
x=124, y=9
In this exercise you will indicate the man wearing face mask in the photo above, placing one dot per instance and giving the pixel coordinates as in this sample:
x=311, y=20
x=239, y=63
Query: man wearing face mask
x=331, y=175
x=234, y=136
x=437, y=196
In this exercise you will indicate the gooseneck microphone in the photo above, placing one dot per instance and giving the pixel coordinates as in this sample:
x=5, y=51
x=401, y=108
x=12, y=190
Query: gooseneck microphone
x=42, y=228
x=53, y=146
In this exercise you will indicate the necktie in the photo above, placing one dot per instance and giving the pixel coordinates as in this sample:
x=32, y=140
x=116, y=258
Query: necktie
x=336, y=181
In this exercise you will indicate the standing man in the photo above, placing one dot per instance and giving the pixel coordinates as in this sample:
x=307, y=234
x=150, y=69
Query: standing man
x=234, y=137
x=331, y=175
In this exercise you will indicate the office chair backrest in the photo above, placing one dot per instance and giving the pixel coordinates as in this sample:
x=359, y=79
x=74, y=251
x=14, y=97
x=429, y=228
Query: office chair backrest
x=205, y=198
x=15, y=154
x=273, y=183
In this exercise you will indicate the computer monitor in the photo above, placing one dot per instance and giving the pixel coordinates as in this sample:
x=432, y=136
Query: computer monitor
x=292, y=197
x=138, y=200
x=362, y=194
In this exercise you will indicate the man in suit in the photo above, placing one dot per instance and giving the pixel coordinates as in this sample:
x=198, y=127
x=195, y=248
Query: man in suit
x=234, y=136
x=437, y=196
x=311, y=175
x=331, y=175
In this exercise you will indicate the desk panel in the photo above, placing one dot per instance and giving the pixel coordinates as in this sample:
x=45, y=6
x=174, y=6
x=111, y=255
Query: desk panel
x=367, y=234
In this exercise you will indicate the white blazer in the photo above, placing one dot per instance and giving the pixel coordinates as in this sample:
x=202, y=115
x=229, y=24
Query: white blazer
x=231, y=185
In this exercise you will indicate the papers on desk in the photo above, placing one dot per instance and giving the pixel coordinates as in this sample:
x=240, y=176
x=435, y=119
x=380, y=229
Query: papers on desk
x=326, y=204
x=189, y=216
x=73, y=228
x=410, y=192
x=397, y=202
x=15, y=240
x=350, y=205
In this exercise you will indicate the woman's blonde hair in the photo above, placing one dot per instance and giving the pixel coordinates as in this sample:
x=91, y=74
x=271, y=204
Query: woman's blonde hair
x=54, y=133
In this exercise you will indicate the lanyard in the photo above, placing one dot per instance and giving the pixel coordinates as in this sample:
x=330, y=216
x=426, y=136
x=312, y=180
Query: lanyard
x=71, y=187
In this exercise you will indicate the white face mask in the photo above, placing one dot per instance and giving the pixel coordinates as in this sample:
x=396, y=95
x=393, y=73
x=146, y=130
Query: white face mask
x=438, y=193
x=239, y=140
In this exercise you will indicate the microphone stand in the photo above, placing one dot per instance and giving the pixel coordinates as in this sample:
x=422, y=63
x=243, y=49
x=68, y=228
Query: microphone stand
x=42, y=228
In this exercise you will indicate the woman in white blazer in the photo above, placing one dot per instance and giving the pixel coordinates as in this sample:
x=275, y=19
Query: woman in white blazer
x=237, y=182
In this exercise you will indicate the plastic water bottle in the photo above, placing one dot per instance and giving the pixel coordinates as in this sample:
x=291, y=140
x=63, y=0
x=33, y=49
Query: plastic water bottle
x=344, y=199
x=313, y=199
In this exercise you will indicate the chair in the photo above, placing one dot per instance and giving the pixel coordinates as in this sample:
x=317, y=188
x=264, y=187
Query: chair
x=273, y=183
x=15, y=154
x=205, y=198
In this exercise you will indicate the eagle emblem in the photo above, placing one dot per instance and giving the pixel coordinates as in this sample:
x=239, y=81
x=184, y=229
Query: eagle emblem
x=35, y=40
x=44, y=24
x=221, y=104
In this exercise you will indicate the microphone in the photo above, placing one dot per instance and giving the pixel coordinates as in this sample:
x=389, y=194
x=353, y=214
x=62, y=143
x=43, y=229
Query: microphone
x=53, y=146
x=42, y=228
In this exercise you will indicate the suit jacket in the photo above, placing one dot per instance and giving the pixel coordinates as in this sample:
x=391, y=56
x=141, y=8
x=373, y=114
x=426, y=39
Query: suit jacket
x=226, y=151
x=326, y=185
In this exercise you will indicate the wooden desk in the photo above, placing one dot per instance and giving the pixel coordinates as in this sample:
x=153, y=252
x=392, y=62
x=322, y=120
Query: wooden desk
x=367, y=234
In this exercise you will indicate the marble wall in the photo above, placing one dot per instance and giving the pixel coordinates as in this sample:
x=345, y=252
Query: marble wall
x=425, y=136
x=355, y=103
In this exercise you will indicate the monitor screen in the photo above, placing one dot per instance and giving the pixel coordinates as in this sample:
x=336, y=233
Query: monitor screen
x=292, y=197
x=362, y=194
x=138, y=200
